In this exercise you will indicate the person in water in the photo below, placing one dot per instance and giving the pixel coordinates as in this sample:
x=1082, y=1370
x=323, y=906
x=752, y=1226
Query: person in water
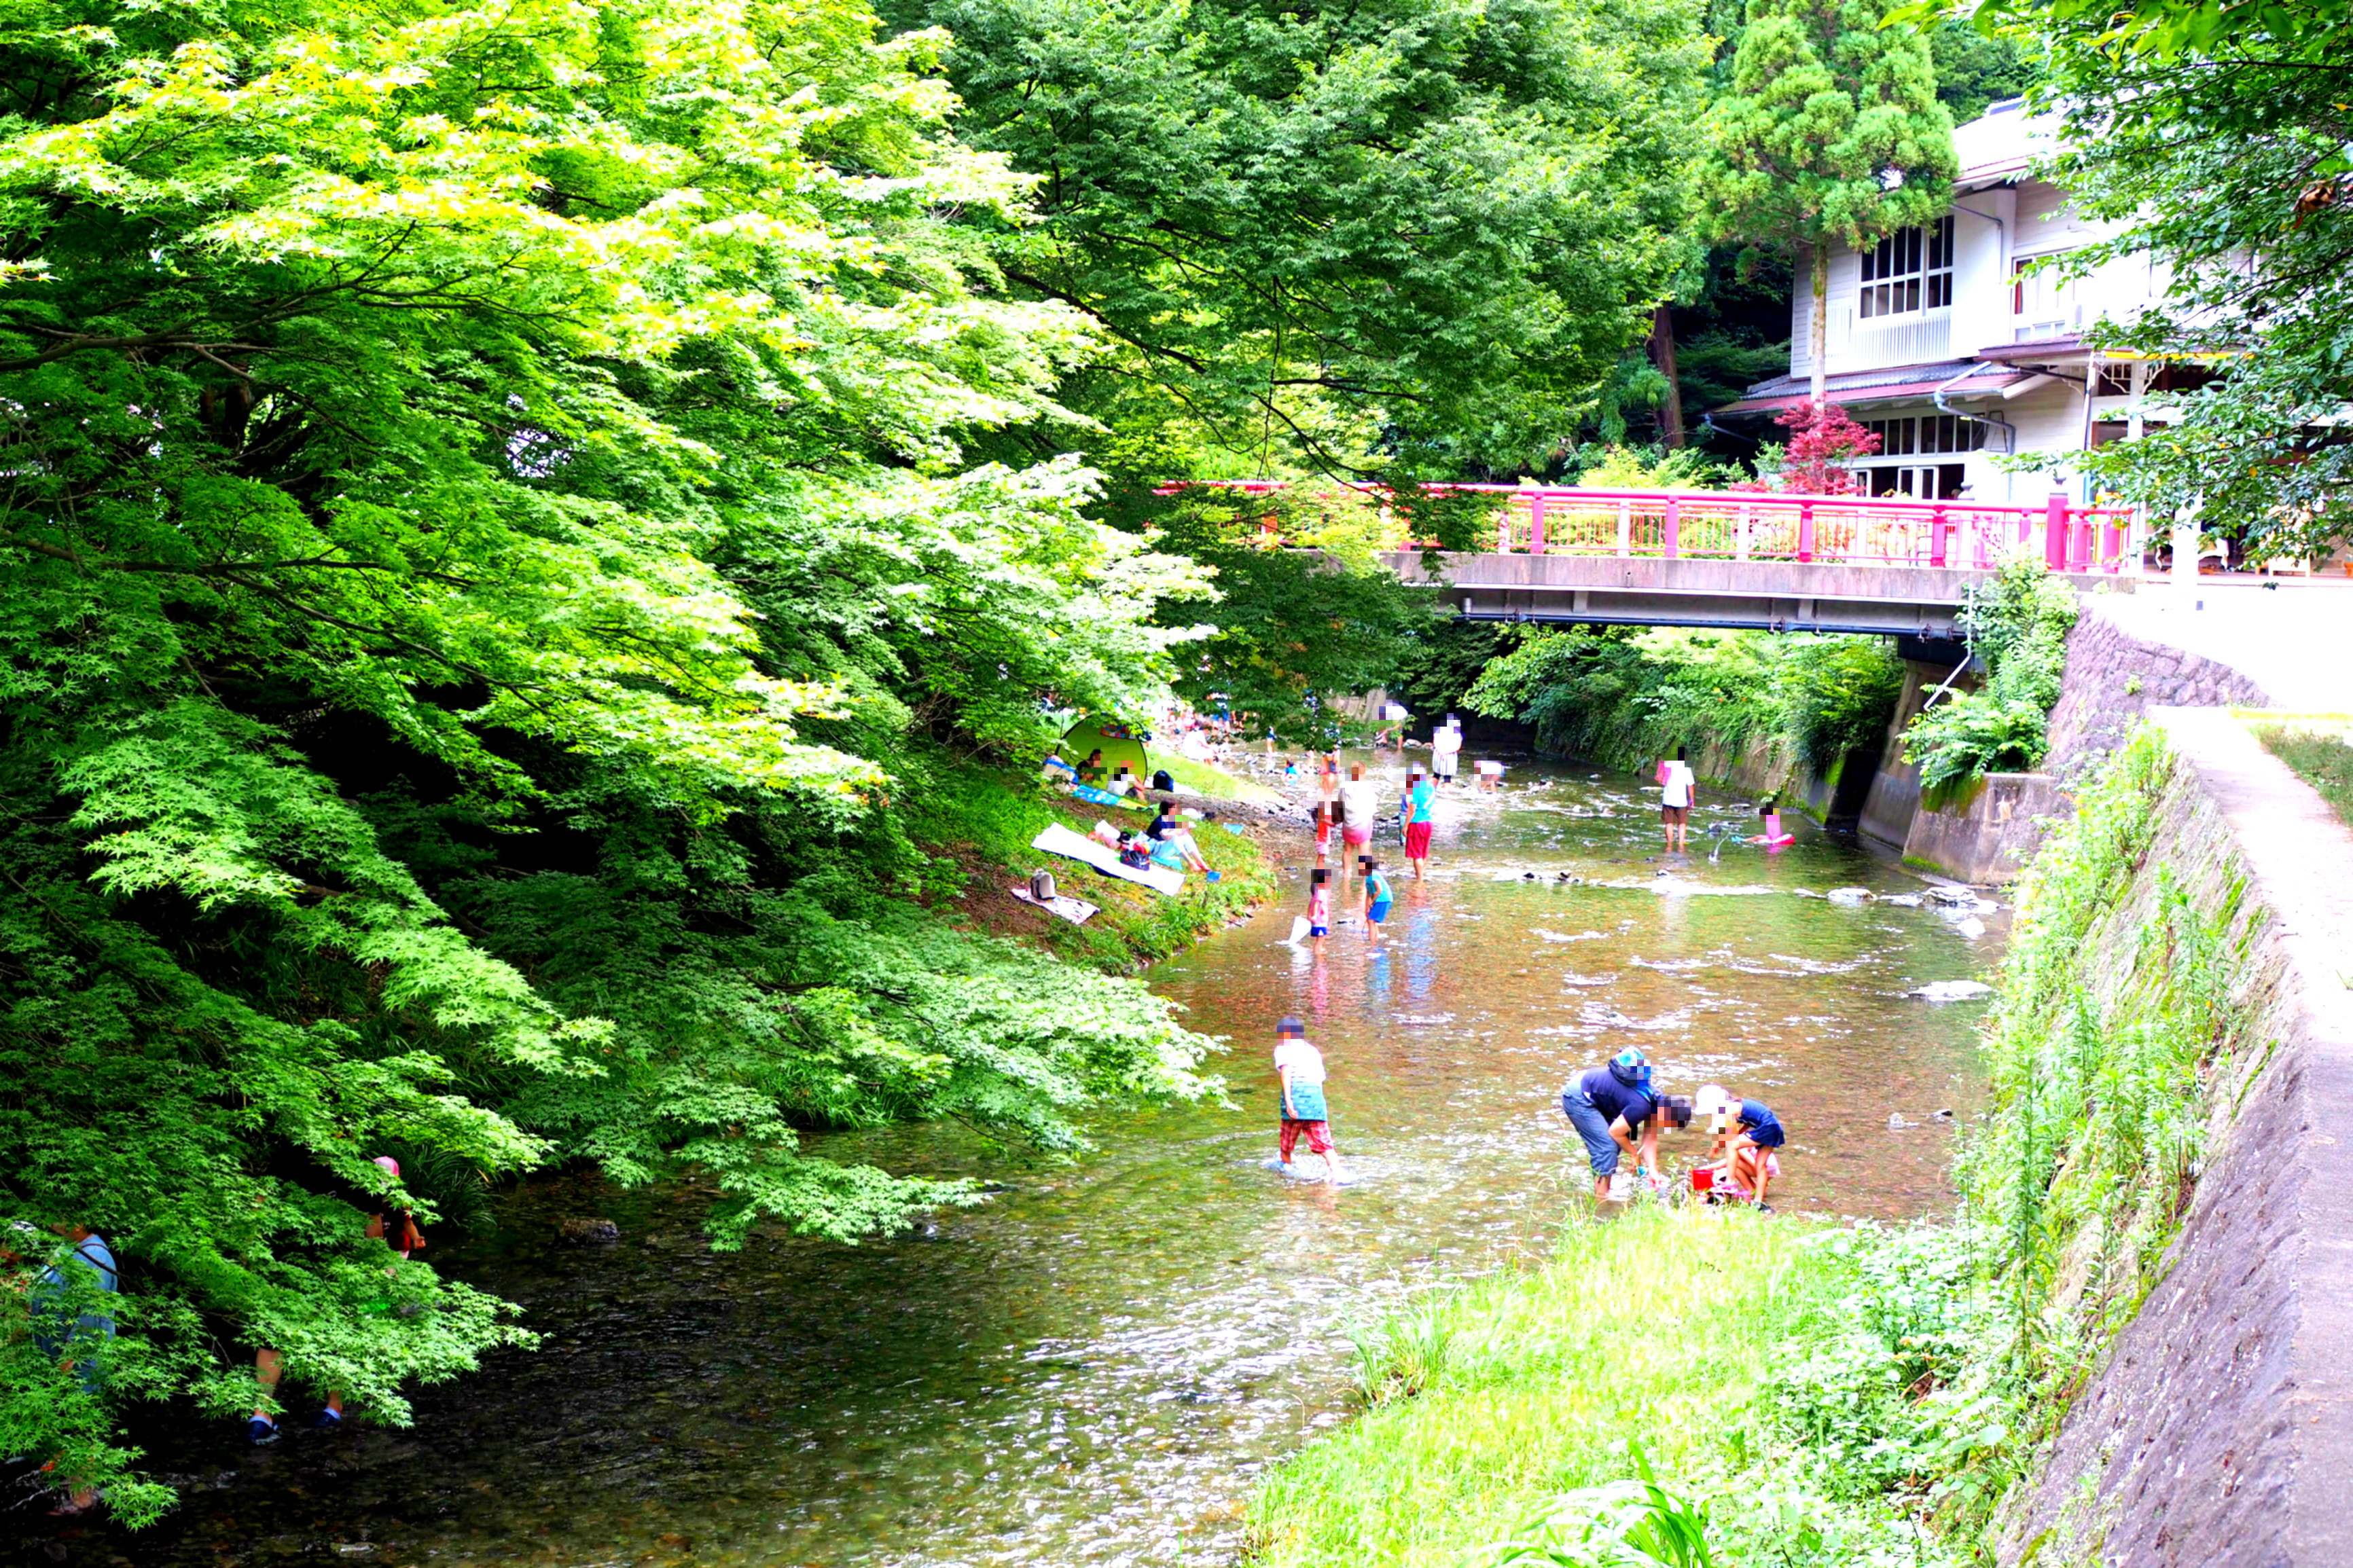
x=1299, y=1070
x=1615, y=1112
x=1420, y=807
x=1378, y=898
x=1748, y=1135
x=1319, y=904
x=1678, y=786
x=1773, y=837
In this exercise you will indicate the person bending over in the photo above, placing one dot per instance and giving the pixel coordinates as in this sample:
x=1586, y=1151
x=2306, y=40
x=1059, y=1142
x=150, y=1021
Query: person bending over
x=1613, y=1111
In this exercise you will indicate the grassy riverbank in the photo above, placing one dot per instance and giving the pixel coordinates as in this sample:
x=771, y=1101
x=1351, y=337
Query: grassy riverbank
x=977, y=826
x=1734, y=1353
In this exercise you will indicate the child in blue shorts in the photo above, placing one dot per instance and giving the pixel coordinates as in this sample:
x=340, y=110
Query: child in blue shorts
x=1319, y=904
x=1377, y=897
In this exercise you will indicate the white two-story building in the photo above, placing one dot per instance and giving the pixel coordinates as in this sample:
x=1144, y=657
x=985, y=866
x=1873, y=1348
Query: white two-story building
x=1947, y=341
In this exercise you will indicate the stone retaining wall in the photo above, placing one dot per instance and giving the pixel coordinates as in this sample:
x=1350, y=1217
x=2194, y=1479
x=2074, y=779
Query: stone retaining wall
x=2218, y=1430
x=2114, y=678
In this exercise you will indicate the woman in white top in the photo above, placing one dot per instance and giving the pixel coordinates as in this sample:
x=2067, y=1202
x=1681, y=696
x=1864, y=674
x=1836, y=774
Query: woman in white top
x=1358, y=807
x=1678, y=788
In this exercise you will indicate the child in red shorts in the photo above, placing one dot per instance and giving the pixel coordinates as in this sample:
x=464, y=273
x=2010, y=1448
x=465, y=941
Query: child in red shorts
x=1299, y=1069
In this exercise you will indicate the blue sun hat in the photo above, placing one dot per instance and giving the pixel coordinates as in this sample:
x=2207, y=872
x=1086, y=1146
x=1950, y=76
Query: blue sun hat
x=1631, y=1068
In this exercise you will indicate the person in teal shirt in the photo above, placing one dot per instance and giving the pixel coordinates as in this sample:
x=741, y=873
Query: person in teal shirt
x=1421, y=803
x=1377, y=898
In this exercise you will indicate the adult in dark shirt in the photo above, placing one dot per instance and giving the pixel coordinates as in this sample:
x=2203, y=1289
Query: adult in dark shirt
x=1612, y=1108
x=1162, y=825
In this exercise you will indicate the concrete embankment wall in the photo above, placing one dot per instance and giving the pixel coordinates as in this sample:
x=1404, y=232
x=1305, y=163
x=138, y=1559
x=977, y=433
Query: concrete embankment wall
x=2113, y=677
x=2218, y=1429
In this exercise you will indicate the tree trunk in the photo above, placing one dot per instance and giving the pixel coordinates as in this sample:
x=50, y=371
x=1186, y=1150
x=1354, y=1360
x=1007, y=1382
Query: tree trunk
x=1822, y=322
x=1662, y=353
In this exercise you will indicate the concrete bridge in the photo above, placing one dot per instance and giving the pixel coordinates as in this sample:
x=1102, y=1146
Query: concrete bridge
x=1885, y=564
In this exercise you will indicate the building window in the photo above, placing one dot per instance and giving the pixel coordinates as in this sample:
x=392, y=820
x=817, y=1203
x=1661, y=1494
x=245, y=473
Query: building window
x=1909, y=271
x=2018, y=288
x=1911, y=436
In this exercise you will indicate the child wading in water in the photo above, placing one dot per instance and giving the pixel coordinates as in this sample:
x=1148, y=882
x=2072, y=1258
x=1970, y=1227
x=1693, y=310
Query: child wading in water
x=1376, y=907
x=1319, y=904
x=1298, y=1068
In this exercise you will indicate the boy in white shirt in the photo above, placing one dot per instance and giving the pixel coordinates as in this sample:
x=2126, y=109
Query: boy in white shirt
x=1678, y=785
x=1299, y=1069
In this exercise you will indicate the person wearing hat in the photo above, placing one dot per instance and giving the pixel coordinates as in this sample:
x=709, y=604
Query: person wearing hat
x=1747, y=1134
x=1299, y=1070
x=1613, y=1109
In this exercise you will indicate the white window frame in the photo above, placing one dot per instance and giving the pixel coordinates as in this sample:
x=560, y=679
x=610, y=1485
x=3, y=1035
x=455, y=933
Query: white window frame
x=1909, y=273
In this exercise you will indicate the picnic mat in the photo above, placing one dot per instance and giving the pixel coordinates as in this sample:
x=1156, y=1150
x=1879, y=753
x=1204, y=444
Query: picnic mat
x=1074, y=911
x=1094, y=796
x=1059, y=840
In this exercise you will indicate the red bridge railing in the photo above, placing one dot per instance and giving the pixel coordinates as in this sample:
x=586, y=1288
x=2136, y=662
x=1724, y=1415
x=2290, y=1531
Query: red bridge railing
x=1744, y=525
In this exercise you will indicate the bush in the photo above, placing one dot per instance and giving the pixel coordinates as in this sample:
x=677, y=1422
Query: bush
x=1622, y=698
x=2020, y=629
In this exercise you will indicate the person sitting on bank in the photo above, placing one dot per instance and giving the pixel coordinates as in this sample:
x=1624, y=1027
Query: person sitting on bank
x=1748, y=1135
x=1091, y=770
x=1613, y=1111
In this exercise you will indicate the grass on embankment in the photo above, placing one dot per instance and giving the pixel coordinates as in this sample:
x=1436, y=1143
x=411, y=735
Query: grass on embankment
x=978, y=824
x=2320, y=757
x=1214, y=781
x=1661, y=1328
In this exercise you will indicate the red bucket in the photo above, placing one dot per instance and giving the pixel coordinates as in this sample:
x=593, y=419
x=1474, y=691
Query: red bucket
x=1703, y=1178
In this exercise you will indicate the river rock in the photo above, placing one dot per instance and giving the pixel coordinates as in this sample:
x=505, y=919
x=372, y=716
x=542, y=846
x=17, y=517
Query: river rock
x=1851, y=895
x=1952, y=897
x=1895, y=1123
x=1951, y=991
x=580, y=1231
x=1970, y=928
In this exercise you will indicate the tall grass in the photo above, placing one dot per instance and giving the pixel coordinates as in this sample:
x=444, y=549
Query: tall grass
x=2319, y=755
x=1653, y=1337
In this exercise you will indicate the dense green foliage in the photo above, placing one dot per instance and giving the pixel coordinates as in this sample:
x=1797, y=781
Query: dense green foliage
x=2211, y=133
x=1303, y=612
x=2018, y=627
x=1625, y=697
x=493, y=578
x=1406, y=234
x=1829, y=133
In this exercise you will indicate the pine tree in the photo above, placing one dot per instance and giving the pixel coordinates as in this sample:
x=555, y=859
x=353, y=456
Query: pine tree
x=1829, y=133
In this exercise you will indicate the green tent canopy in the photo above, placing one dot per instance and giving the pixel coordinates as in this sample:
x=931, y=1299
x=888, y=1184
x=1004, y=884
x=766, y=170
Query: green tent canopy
x=1119, y=744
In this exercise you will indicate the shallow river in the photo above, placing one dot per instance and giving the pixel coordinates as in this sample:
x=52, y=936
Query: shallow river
x=1092, y=1367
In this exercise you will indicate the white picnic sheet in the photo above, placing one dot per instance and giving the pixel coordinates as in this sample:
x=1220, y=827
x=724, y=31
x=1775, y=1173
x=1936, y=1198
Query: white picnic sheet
x=1059, y=840
x=1075, y=910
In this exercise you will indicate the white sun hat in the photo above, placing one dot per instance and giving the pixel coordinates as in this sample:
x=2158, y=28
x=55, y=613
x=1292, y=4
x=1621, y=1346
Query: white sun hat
x=1714, y=1100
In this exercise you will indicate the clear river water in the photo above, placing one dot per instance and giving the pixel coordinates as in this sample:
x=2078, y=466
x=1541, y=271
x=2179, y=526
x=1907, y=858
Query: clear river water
x=1092, y=1366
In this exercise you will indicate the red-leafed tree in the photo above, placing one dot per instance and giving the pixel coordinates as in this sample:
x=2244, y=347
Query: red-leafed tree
x=1822, y=442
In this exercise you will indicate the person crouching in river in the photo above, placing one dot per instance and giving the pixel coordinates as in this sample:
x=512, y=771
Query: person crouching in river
x=1614, y=1112
x=1747, y=1134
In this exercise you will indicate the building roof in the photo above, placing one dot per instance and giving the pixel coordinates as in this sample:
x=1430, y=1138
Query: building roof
x=1998, y=145
x=1890, y=383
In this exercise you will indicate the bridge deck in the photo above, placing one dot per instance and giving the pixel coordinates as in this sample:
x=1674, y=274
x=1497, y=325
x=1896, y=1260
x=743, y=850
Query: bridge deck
x=1767, y=596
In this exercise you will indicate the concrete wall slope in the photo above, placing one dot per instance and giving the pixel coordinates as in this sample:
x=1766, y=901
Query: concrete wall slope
x=2219, y=1431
